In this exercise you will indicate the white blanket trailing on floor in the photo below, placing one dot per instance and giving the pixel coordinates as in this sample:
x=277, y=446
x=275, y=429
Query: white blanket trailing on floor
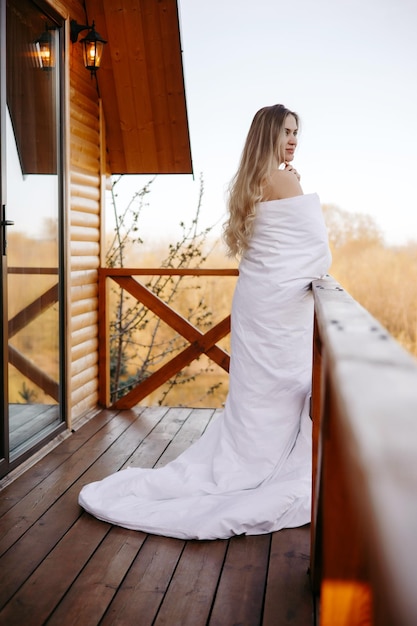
x=250, y=472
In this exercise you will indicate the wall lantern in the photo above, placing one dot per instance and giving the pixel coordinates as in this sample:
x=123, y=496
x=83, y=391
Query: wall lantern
x=45, y=50
x=93, y=45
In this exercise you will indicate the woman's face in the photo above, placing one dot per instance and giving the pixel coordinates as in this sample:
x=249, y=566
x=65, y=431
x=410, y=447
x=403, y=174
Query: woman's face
x=289, y=142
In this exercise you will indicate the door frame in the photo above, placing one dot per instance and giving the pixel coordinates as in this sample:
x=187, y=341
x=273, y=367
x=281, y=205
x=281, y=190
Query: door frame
x=6, y=465
x=4, y=423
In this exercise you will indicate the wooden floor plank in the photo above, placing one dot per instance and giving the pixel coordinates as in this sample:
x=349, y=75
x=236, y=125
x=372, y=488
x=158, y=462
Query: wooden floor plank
x=15, y=491
x=36, y=543
x=39, y=594
x=189, y=598
x=19, y=519
x=89, y=596
x=155, y=445
x=239, y=598
x=142, y=592
x=191, y=431
x=288, y=599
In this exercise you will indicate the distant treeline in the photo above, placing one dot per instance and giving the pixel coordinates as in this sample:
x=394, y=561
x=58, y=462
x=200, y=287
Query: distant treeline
x=382, y=278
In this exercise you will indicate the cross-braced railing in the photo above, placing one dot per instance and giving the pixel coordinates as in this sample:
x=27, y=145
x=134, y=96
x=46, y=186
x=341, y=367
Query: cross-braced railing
x=199, y=342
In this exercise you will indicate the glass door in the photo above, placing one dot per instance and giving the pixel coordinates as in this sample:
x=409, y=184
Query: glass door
x=31, y=225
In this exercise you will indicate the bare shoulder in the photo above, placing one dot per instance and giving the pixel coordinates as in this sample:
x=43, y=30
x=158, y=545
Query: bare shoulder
x=282, y=184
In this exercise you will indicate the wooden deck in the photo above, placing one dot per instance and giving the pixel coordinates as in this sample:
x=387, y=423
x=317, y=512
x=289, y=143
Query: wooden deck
x=59, y=565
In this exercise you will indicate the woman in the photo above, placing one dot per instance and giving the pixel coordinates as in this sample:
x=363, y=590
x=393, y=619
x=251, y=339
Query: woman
x=251, y=470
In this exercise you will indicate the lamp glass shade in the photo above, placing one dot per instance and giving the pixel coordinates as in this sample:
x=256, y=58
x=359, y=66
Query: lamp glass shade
x=93, y=45
x=93, y=51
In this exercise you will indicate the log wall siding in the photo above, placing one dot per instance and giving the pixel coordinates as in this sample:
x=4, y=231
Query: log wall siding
x=84, y=236
x=87, y=163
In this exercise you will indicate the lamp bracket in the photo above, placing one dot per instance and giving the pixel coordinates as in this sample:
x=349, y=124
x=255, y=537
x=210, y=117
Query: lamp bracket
x=76, y=29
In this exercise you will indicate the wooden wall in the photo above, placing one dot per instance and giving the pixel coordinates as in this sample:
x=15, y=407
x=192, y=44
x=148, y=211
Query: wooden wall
x=85, y=168
x=83, y=224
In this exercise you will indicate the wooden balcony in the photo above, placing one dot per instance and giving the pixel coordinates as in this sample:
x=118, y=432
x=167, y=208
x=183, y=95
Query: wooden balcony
x=59, y=565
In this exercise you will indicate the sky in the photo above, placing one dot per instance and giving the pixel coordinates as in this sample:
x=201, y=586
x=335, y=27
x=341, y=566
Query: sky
x=349, y=69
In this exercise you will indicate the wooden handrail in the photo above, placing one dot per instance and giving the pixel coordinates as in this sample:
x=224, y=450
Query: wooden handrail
x=364, y=520
x=166, y=271
x=199, y=342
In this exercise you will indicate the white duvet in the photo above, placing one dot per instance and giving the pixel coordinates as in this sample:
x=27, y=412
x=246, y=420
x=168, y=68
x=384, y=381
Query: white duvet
x=250, y=472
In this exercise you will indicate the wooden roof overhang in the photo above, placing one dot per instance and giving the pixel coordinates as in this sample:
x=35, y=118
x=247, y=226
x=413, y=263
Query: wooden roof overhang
x=141, y=84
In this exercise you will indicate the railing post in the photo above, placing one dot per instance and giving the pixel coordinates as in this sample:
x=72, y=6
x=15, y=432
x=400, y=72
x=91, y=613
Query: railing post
x=317, y=403
x=339, y=549
x=341, y=565
x=103, y=341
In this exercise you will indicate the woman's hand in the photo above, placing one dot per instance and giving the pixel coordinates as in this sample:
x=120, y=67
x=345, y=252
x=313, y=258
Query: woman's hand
x=292, y=169
x=283, y=183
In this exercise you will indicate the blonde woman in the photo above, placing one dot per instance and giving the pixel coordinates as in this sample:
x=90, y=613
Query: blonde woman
x=270, y=145
x=251, y=470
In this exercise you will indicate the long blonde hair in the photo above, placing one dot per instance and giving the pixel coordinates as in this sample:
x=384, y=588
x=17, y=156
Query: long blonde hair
x=261, y=154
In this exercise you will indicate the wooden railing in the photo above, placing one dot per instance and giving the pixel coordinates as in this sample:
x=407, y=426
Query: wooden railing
x=364, y=409
x=199, y=342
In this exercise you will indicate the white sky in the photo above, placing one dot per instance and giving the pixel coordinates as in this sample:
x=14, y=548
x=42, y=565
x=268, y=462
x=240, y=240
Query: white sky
x=349, y=68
